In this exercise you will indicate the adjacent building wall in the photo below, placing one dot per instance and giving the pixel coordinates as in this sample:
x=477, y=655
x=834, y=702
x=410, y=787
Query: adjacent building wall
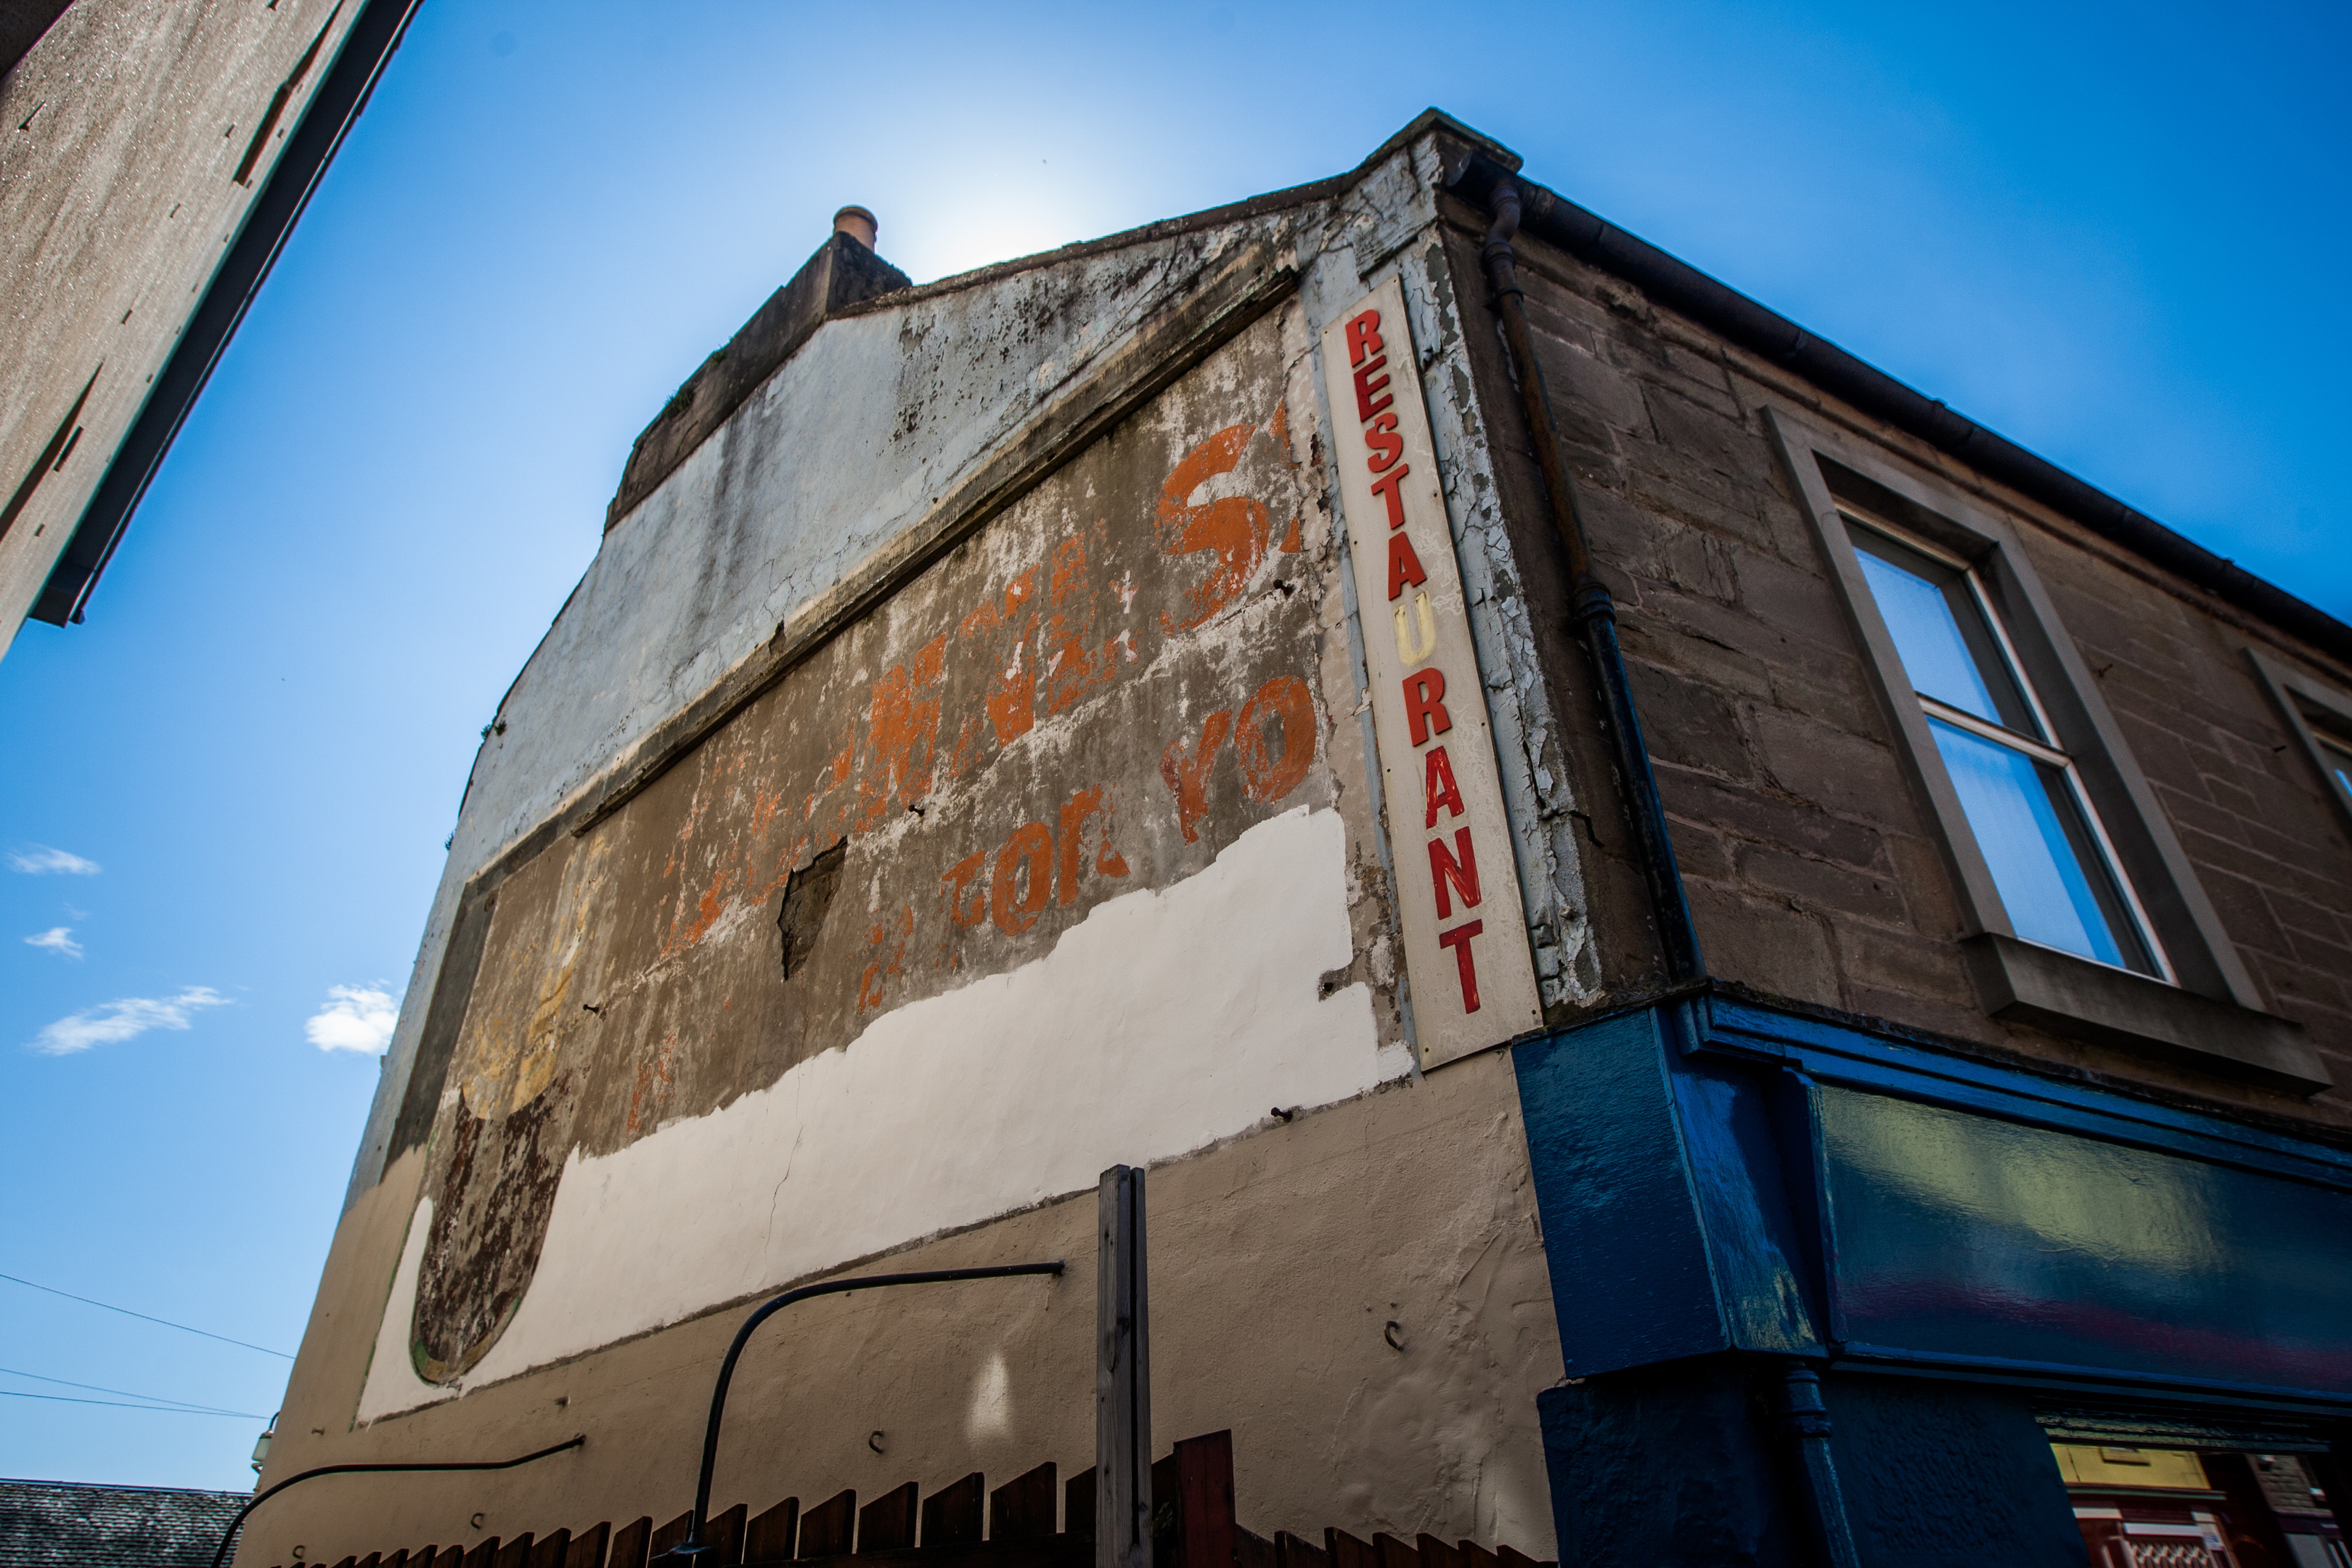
x=134, y=138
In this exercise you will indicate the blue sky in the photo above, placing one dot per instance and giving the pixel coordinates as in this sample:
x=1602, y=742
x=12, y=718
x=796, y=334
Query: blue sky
x=2106, y=233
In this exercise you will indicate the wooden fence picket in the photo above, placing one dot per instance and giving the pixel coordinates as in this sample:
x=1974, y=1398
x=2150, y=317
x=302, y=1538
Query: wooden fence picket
x=827, y=1529
x=1194, y=1526
x=770, y=1537
x=1023, y=1508
x=887, y=1523
x=953, y=1515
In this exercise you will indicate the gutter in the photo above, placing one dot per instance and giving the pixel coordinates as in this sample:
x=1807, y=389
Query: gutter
x=374, y=34
x=1680, y=286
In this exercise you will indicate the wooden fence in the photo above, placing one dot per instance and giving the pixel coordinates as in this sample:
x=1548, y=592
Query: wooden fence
x=1192, y=1527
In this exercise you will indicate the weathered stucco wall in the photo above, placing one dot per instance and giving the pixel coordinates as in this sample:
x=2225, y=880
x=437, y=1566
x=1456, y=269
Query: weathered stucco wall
x=123, y=133
x=1407, y=1206
x=855, y=443
x=1047, y=847
x=1086, y=752
x=850, y=445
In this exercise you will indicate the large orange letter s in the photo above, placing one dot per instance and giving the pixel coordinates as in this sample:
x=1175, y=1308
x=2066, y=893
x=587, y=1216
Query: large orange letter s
x=1234, y=526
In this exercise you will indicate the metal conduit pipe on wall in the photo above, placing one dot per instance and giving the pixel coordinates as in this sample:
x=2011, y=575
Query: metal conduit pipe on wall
x=220, y=1553
x=694, y=1547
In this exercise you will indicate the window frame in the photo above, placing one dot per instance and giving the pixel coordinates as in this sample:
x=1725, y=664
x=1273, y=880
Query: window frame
x=2208, y=1011
x=2041, y=749
x=2291, y=688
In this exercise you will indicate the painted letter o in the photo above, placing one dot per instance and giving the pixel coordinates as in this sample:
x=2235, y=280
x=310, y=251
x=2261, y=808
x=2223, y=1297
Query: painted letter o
x=1033, y=842
x=1269, y=777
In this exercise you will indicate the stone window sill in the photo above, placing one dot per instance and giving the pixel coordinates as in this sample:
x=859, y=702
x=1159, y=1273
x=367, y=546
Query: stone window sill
x=2085, y=1001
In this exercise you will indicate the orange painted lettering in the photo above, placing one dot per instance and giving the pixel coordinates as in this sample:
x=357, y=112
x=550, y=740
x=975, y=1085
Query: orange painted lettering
x=893, y=961
x=1011, y=694
x=961, y=876
x=1108, y=861
x=902, y=726
x=1188, y=776
x=1235, y=527
x=1012, y=901
x=1073, y=670
x=1268, y=775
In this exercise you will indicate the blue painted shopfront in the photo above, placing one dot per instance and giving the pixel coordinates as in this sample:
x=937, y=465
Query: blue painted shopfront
x=1972, y=1257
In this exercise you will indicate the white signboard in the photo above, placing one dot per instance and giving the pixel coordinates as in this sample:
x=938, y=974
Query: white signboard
x=1466, y=933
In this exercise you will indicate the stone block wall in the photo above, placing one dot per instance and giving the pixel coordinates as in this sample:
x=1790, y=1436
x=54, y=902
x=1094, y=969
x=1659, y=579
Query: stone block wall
x=1813, y=869
x=2272, y=850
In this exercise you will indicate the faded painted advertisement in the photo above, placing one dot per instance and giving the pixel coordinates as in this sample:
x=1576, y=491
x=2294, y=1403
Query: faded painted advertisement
x=1059, y=857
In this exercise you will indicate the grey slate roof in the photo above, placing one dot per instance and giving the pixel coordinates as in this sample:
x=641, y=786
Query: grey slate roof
x=51, y=1524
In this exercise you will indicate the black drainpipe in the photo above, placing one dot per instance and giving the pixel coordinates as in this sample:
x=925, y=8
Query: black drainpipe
x=1804, y=1420
x=1593, y=613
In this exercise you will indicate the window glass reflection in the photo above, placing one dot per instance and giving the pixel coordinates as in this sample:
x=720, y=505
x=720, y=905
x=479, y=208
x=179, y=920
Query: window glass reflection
x=2020, y=810
x=2338, y=757
x=1936, y=658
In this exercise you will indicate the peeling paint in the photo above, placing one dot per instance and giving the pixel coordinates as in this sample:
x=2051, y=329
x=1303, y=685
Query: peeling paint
x=1163, y=1022
x=628, y=979
x=953, y=778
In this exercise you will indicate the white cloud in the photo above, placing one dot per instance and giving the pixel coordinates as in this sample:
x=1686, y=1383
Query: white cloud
x=355, y=1018
x=40, y=860
x=57, y=939
x=113, y=1021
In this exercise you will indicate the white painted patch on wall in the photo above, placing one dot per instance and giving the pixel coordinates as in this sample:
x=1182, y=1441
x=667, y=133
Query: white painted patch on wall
x=390, y=1367
x=990, y=1416
x=1161, y=1023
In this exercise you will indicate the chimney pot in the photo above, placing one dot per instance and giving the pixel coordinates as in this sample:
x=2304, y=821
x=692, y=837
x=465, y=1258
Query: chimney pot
x=857, y=224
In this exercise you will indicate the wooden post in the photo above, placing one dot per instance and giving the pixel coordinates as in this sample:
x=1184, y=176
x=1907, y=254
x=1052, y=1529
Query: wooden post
x=1122, y=1378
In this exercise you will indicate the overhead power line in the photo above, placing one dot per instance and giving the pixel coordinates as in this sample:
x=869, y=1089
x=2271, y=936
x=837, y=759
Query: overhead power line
x=207, y=1334
x=126, y=1392
x=119, y=1404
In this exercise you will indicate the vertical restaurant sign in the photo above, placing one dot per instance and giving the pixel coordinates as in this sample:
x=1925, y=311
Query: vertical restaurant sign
x=1457, y=887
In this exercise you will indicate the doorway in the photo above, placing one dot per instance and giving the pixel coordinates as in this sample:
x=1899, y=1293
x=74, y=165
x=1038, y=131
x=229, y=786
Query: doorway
x=2196, y=1508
